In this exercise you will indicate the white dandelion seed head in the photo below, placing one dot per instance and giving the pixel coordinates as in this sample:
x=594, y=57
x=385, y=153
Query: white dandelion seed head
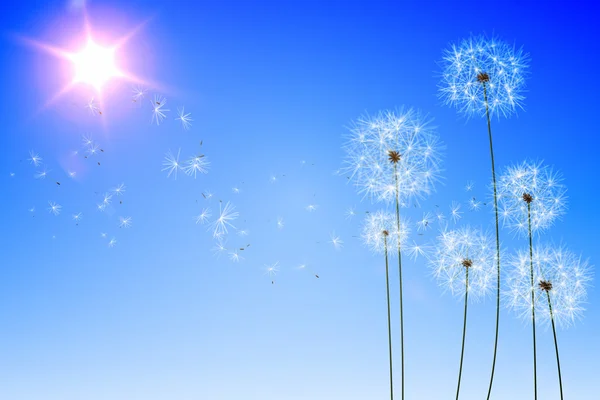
x=505, y=69
x=380, y=229
x=568, y=274
x=368, y=156
x=548, y=200
x=455, y=247
x=272, y=269
x=203, y=216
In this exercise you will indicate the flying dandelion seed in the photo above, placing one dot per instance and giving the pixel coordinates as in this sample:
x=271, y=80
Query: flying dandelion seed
x=226, y=215
x=186, y=120
x=531, y=192
x=72, y=174
x=195, y=165
x=203, y=216
x=350, y=213
x=112, y=242
x=440, y=216
x=32, y=209
x=119, y=189
x=91, y=107
x=87, y=140
x=280, y=223
x=41, y=174
x=77, y=217
x=311, y=207
x=101, y=207
x=272, y=269
x=106, y=199
x=236, y=190
x=139, y=93
x=54, y=208
x=34, y=158
x=158, y=112
x=336, y=241
x=235, y=257
x=124, y=222
x=171, y=164
x=469, y=186
x=474, y=205
x=219, y=249
x=92, y=149
x=415, y=251
x=103, y=235
x=425, y=222
x=243, y=232
x=455, y=213
x=273, y=179
x=464, y=263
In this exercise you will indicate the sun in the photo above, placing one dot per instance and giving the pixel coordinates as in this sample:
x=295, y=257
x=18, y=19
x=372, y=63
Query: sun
x=94, y=65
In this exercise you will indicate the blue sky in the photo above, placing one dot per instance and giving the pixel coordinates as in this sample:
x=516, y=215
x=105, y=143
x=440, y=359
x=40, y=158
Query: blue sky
x=269, y=85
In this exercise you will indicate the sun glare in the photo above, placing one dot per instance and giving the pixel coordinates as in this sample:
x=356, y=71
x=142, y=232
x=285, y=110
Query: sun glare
x=94, y=65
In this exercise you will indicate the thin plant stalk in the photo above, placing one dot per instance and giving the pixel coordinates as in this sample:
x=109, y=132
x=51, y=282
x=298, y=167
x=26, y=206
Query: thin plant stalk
x=400, y=277
x=555, y=345
x=387, y=283
x=487, y=111
x=462, y=351
x=532, y=300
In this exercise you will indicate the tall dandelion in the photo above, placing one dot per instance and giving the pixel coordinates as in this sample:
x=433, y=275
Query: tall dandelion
x=485, y=77
x=559, y=290
x=394, y=157
x=531, y=198
x=464, y=264
x=378, y=227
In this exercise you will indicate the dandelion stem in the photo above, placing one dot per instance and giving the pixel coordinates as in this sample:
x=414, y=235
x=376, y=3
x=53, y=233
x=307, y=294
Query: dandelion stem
x=462, y=351
x=400, y=277
x=532, y=302
x=487, y=112
x=555, y=345
x=387, y=283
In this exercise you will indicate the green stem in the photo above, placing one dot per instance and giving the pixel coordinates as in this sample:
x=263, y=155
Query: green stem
x=400, y=277
x=462, y=351
x=532, y=302
x=555, y=345
x=387, y=283
x=487, y=111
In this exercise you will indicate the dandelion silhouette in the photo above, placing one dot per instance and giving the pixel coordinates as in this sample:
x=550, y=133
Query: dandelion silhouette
x=393, y=157
x=558, y=288
x=377, y=229
x=531, y=197
x=485, y=77
x=467, y=253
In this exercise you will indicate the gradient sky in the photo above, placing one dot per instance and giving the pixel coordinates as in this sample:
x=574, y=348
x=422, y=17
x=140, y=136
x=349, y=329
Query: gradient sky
x=270, y=84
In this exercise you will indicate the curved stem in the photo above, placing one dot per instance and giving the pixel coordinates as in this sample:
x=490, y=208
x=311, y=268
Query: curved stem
x=532, y=302
x=487, y=111
x=555, y=345
x=400, y=278
x=387, y=283
x=462, y=352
